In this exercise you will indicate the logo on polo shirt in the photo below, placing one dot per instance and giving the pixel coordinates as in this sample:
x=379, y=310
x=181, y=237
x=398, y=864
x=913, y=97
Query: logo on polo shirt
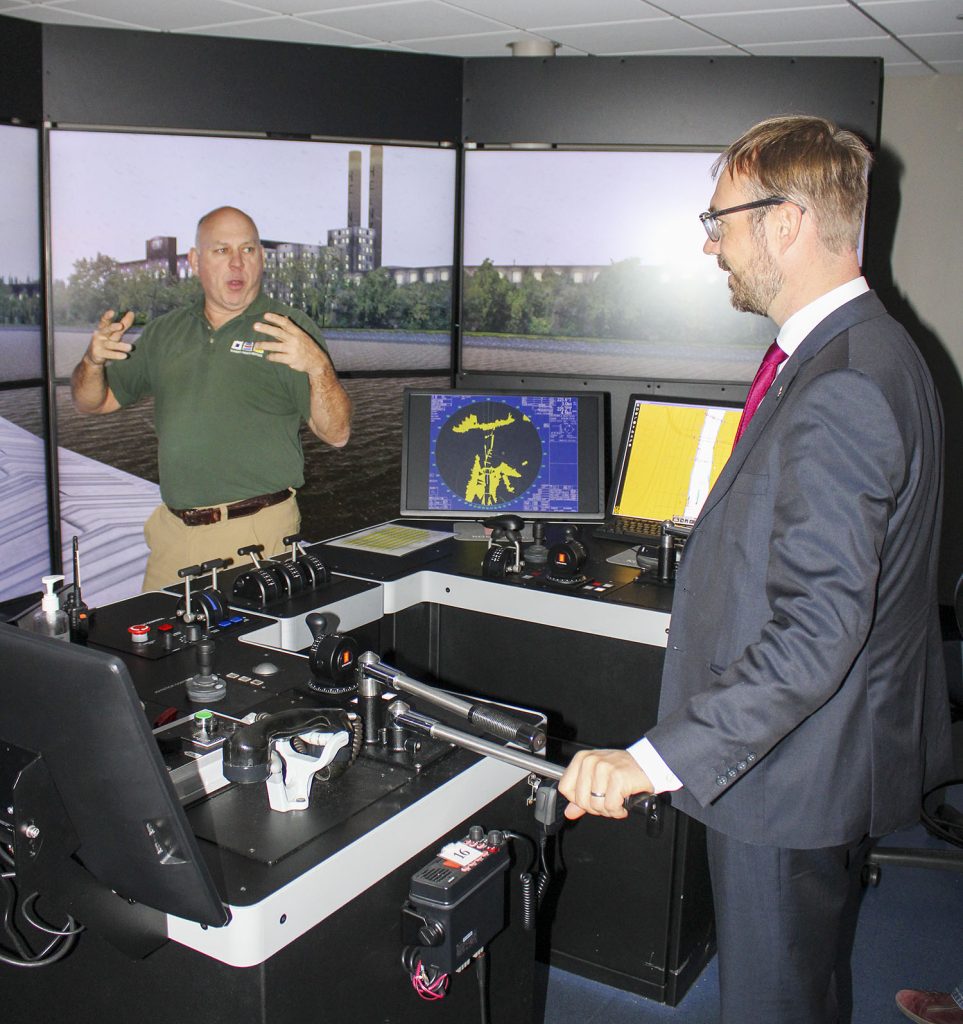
x=247, y=348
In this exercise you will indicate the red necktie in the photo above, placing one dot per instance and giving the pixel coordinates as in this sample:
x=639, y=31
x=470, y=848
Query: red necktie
x=764, y=377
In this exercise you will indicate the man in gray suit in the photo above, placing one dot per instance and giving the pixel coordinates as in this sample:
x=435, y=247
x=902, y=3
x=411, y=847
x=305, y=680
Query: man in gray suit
x=803, y=708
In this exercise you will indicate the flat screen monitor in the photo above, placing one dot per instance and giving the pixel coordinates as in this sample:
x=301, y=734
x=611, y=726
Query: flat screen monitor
x=74, y=710
x=473, y=454
x=670, y=454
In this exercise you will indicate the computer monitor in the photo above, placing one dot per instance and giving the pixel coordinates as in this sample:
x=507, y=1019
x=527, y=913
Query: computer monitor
x=479, y=453
x=71, y=725
x=670, y=454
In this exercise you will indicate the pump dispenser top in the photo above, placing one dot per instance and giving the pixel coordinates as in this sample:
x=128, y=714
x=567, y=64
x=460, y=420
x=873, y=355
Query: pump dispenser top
x=50, y=602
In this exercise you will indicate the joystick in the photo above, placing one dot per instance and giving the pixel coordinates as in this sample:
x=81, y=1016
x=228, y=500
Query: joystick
x=332, y=658
x=504, y=554
x=205, y=686
x=537, y=553
x=566, y=561
x=669, y=553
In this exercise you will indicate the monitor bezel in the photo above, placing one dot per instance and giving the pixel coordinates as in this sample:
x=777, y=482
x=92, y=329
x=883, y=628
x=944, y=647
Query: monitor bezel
x=618, y=466
x=74, y=709
x=595, y=515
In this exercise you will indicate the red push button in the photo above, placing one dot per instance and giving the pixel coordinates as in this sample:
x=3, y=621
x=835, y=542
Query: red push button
x=140, y=633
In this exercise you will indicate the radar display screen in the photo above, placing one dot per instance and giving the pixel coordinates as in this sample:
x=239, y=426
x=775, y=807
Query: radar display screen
x=472, y=455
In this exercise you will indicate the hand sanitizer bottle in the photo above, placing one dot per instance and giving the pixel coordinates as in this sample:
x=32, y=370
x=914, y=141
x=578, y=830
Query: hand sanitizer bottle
x=50, y=619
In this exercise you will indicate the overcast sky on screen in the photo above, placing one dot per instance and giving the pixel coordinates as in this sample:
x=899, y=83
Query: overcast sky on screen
x=593, y=208
x=111, y=191
x=19, y=204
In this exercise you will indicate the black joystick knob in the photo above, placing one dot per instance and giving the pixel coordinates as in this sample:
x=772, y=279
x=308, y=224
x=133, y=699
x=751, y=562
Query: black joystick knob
x=205, y=658
x=317, y=624
x=206, y=685
x=537, y=553
x=566, y=562
x=332, y=658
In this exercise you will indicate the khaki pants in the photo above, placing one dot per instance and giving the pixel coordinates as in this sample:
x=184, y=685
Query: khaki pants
x=174, y=545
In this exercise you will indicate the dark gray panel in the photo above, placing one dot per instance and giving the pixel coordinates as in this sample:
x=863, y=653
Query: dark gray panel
x=660, y=101
x=20, y=71
x=147, y=79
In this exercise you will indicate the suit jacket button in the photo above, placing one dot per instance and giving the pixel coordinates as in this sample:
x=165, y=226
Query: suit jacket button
x=741, y=766
x=750, y=757
x=721, y=780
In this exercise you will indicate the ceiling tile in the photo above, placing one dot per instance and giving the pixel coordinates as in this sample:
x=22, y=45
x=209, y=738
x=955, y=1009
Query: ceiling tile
x=169, y=16
x=942, y=47
x=631, y=36
x=69, y=16
x=916, y=16
x=469, y=28
x=693, y=8
x=878, y=46
x=488, y=44
x=303, y=6
x=914, y=68
x=285, y=30
x=558, y=12
x=416, y=19
x=718, y=50
x=805, y=25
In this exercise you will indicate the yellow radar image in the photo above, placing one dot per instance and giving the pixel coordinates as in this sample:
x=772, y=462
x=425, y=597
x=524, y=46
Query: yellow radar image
x=488, y=453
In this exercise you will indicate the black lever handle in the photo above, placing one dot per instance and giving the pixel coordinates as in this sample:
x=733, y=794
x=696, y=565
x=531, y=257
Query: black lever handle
x=550, y=808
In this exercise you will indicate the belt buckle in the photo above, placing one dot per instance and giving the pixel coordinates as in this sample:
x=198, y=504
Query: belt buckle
x=201, y=516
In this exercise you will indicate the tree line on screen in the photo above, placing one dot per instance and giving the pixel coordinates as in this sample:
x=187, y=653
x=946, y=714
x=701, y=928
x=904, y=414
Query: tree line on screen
x=624, y=300
x=19, y=302
x=319, y=285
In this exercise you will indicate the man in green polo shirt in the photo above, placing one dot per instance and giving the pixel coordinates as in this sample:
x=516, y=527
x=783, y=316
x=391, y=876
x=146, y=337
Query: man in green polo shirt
x=232, y=378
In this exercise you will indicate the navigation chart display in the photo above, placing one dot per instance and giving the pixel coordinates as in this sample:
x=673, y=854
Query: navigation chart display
x=671, y=455
x=474, y=455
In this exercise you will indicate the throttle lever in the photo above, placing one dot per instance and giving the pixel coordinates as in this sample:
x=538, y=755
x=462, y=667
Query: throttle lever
x=550, y=808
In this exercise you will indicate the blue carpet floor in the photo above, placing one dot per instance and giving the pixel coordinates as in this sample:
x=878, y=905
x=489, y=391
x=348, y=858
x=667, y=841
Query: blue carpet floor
x=910, y=935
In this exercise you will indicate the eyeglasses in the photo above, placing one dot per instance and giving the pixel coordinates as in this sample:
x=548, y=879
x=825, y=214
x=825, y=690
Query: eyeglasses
x=710, y=219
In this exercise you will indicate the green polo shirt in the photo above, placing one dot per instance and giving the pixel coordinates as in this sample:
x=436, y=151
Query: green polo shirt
x=227, y=419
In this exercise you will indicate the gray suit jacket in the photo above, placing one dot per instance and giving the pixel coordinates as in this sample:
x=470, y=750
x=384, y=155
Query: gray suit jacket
x=803, y=698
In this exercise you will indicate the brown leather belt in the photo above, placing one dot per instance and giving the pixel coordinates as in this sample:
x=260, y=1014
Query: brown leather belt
x=244, y=507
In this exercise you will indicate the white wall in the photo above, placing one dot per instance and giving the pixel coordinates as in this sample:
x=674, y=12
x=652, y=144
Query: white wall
x=922, y=128
x=923, y=124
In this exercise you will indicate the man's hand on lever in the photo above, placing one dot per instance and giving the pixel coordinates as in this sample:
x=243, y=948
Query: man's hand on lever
x=598, y=782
